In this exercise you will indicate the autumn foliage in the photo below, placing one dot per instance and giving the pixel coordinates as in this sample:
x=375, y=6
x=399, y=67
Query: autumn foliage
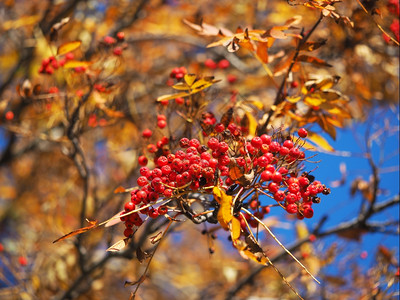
x=165, y=145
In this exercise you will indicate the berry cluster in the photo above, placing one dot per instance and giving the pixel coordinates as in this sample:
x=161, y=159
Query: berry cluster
x=267, y=164
x=49, y=64
x=116, y=43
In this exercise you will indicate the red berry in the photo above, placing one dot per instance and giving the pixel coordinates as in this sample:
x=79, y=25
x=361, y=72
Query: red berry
x=223, y=64
x=121, y=36
x=69, y=56
x=109, y=40
x=291, y=208
x=142, y=181
x=288, y=144
x=162, y=210
x=276, y=177
x=213, y=143
x=256, y=142
x=231, y=78
x=161, y=124
x=128, y=232
x=266, y=175
x=117, y=51
x=147, y=133
x=23, y=261
x=294, y=84
x=142, y=160
x=302, y=133
x=129, y=206
x=273, y=187
x=209, y=63
x=219, y=127
x=279, y=196
x=179, y=101
x=9, y=115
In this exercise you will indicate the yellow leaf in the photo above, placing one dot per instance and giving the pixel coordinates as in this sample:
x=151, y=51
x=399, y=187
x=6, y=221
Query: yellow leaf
x=68, y=47
x=293, y=99
x=313, y=101
x=171, y=96
x=76, y=64
x=181, y=86
x=320, y=141
x=189, y=79
x=235, y=229
x=252, y=123
x=23, y=21
x=224, y=213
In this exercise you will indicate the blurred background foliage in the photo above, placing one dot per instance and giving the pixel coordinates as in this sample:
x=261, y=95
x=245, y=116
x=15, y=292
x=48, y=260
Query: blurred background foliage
x=43, y=180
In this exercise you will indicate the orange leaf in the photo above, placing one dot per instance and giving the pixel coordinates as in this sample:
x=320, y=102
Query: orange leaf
x=313, y=60
x=68, y=47
x=93, y=224
x=119, y=189
x=262, y=51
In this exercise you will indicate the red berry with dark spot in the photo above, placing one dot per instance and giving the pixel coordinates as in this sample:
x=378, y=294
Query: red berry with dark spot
x=302, y=133
x=291, y=208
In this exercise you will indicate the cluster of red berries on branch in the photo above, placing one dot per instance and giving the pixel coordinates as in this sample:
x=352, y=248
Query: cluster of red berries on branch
x=264, y=165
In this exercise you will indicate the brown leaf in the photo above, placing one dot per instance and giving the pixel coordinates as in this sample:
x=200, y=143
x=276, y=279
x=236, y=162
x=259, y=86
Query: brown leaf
x=387, y=255
x=311, y=46
x=93, y=224
x=352, y=234
x=56, y=27
x=139, y=281
x=313, y=60
x=118, y=245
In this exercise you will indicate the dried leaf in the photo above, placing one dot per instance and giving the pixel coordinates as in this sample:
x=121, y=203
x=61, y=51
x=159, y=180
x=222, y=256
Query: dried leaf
x=118, y=245
x=156, y=238
x=311, y=46
x=141, y=255
x=114, y=220
x=139, y=281
x=68, y=47
x=93, y=224
x=313, y=60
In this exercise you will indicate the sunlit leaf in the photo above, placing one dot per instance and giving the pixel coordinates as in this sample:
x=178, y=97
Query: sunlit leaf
x=172, y=96
x=23, y=21
x=77, y=64
x=319, y=141
x=181, y=86
x=235, y=229
x=68, y=47
x=189, y=79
